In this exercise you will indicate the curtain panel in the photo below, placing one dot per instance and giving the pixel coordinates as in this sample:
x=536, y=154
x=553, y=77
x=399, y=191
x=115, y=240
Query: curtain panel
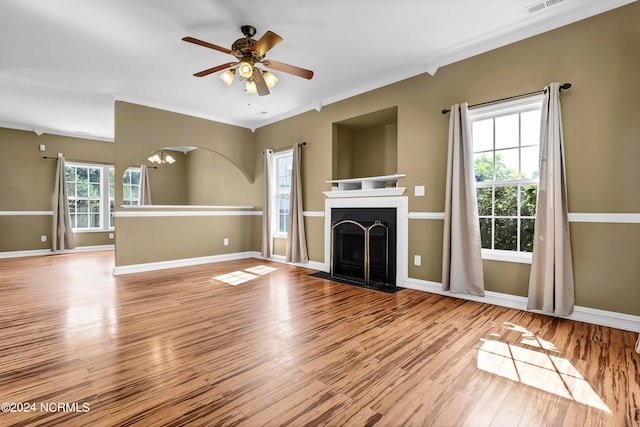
x=461, y=257
x=145, y=187
x=62, y=233
x=551, y=285
x=266, y=205
x=296, y=238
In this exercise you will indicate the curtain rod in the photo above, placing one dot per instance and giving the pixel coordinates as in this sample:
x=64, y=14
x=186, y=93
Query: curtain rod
x=88, y=162
x=288, y=148
x=564, y=86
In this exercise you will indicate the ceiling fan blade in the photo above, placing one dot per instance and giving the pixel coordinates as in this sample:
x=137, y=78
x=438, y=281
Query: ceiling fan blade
x=261, y=85
x=266, y=42
x=291, y=69
x=214, y=69
x=207, y=44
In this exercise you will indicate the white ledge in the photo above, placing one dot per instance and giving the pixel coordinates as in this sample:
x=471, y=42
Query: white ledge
x=389, y=191
x=183, y=207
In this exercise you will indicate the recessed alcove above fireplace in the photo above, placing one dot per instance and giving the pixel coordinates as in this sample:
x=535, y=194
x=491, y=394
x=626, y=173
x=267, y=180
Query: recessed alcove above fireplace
x=366, y=145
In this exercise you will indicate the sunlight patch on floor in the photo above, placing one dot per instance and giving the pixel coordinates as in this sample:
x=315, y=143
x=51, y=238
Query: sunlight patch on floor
x=238, y=277
x=537, y=368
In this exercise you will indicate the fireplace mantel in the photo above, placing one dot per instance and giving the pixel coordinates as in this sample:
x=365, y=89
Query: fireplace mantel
x=374, y=186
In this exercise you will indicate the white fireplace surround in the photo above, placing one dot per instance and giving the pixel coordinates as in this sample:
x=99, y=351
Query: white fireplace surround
x=400, y=203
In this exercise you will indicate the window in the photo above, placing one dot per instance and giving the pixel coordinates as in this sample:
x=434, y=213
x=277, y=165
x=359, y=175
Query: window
x=131, y=187
x=506, y=141
x=90, y=193
x=283, y=164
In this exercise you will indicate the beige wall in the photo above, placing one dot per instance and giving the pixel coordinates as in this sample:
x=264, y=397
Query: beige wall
x=220, y=172
x=26, y=184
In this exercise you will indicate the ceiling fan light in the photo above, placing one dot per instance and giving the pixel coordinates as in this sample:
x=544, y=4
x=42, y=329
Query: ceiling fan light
x=245, y=69
x=227, y=77
x=270, y=79
x=250, y=87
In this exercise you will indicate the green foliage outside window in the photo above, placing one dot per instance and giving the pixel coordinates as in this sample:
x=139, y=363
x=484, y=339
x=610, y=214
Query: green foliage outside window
x=498, y=206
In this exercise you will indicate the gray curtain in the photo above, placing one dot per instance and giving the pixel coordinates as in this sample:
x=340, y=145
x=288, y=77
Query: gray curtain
x=551, y=287
x=296, y=239
x=461, y=255
x=144, y=196
x=62, y=232
x=266, y=205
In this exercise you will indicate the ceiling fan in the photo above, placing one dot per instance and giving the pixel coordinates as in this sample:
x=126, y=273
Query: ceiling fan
x=250, y=53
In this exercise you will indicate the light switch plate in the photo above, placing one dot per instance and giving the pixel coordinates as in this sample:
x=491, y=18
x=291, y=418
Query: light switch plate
x=417, y=260
x=419, y=190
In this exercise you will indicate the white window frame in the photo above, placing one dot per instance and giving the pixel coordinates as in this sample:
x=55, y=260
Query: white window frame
x=132, y=201
x=493, y=111
x=105, y=199
x=276, y=195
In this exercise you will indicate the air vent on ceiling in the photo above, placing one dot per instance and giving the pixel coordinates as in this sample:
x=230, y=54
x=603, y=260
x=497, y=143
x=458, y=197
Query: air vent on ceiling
x=537, y=7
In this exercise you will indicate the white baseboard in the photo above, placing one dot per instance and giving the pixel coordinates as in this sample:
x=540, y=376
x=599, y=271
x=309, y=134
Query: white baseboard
x=627, y=322
x=186, y=262
x=315, y=265
x=43, y=252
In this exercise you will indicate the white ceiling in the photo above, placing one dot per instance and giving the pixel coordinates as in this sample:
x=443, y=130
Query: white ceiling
x=64, y=62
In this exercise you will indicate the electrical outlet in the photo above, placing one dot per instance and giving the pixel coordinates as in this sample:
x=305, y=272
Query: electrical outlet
x=111, y=235
x=419, y=190
x=226, y=242
x=417, y=260
x=42, y=147
x=43, y=238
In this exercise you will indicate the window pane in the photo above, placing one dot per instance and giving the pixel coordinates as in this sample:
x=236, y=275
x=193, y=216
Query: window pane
x=507, y=131
x=134, y=192
x=506, y=234
x=507, y=164
x=485, y=232
x=94, y=190
x=126, y=191
x=83, y=221
x=72, y=206
x=82, y=206
x=530, y=124
x=528, y=200
x=126, y=179
x=482, y=135
x=527, y=227
x=70, y=173
x=506, y=203
x=94, y=205
x=135, y=177
x=71, y=189
x=95, y=221
x=83, y=175
x=483, y=167
x=530, y=162
x=484, y=201
x=94, y=175
x=82, y=189
x=73, y=221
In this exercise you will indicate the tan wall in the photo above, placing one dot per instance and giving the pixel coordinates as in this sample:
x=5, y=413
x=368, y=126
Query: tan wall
x=375, y=151
x=220, y=172
x=599, y=56
x=27, y=180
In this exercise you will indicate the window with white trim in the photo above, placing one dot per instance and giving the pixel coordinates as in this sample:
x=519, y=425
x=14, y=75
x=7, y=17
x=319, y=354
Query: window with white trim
x=282, y=168
x=506, y=148
x=131, y=187
x=90, y=194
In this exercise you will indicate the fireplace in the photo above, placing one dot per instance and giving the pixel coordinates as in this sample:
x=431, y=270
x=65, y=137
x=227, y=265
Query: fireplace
x=375, y=200
x=363, y=245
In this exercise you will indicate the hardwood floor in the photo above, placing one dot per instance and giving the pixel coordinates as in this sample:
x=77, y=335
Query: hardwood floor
x=186, y=347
